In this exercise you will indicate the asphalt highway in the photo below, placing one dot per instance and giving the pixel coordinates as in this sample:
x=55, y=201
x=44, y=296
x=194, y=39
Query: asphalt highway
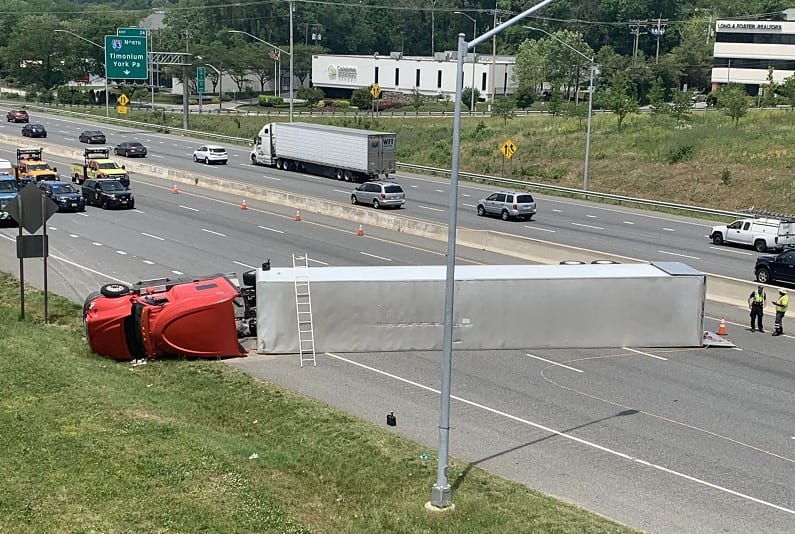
x=617, y=230
x=697, y=440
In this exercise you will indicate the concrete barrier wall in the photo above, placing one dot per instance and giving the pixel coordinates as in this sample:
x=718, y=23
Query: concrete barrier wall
x=721, y=289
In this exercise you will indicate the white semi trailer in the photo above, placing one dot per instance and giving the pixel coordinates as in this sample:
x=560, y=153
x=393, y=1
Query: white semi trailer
x=343, y=153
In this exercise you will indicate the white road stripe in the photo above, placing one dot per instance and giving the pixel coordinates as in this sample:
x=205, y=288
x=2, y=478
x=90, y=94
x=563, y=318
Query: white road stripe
x=374, y=256
x=724, y=249
x=540, y=229
x=669, y=229
x=679, y=255
x=555, y=363
x=121, y=252
x=187, y=208
x=568, y=436
x=211, y=232
x=271, y=229
x=628, y=222
x=645, y=354
x=244, y=265
x=178, y=272
x=153, y=236
x=430, y=208
x=591, y=216
x=148, y=262
x=588, y=226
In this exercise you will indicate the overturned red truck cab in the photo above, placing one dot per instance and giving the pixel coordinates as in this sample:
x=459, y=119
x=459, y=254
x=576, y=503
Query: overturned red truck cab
x=201, y=317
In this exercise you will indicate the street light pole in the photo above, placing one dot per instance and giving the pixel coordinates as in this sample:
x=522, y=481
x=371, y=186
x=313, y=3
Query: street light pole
x=441, y=493
x=107, y=98
x=590, y=102
x=280, y=50
x=474, y=33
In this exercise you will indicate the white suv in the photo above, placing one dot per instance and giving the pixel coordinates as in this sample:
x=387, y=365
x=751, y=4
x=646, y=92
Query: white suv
x=210, y=154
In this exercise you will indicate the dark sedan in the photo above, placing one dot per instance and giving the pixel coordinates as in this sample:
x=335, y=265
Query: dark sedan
x=65, y=195
x=92, y=137
x=107, y=194
x=772, y=268
x=34, y=130
x=130, y=149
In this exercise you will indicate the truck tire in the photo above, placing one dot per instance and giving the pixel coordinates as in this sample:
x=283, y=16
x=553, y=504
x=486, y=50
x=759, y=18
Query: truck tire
x=763, y=275
x=253, y=160
x=717, y=238
x=760, y=245
x=114, y=290
x=348, y=175
x=338, y=173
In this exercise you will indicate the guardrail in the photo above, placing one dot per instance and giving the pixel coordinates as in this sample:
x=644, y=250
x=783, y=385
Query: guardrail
x=429, y=170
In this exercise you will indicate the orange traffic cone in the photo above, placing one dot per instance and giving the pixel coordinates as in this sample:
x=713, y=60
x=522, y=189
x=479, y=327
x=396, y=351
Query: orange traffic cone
x=175, y=190
x=722, y=327
x=243, y=205
x=297, y=215
x=360, y=231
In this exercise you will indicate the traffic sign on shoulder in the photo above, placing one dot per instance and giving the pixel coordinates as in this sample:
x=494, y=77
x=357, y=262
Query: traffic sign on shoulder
x=201, y=75
x=375, y=90
x=121, y=109
x=123, y=100
x=125, y=57
x=508, y=149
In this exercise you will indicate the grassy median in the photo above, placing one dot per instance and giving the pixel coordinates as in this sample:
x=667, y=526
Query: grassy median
x=91, y=445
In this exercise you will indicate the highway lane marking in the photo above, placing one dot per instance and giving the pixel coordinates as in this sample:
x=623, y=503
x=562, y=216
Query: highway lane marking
x=628, y=222
x=121, y=252
x=148, y=262
x=318, y=261
x=374, y=256
x=645, y=354
x=96, y=244
x=558, y=211
x=679, y=255
x=430, y=208
x=555, y=200
x=178, y=272
x=271, y=229
x=468, y=205
x=187, y=208
x=214, y=233
x=156, y=156
x=591, y=216
x=568, y=436
x=465, y=195
x=669, y=229
x=588, y=226
x=539, y=229
x=153, y=236
x=555, y=363
x=341, y=191
x=244, y=265
x=724, y=249
x=439, y=190
x=73, y=235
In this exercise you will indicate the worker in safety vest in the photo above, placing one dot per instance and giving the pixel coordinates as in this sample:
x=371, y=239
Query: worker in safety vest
x=756, y=301
x=781, y=308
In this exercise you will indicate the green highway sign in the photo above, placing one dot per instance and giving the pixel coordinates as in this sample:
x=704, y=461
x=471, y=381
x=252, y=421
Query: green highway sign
x=126, y=57
x=200, y=77
x=131, y=32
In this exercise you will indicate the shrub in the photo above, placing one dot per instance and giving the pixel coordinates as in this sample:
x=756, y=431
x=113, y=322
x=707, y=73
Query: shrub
x=340, y=104
x=269, y=100
x=681, y=153
x=726, y=177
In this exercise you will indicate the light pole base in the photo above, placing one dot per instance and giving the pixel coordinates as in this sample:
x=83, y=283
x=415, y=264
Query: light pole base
x=441, y=499
x=433, y=508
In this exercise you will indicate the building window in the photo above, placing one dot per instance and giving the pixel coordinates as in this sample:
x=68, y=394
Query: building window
x=756, y=38
x=376, y=75
x=417, y=82
x=483, y=82
x=747, y=63
x=438, y=79
x=397, y=77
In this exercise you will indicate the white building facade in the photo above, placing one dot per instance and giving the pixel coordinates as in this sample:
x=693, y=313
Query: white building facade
x=744, y=50
x=339, y=75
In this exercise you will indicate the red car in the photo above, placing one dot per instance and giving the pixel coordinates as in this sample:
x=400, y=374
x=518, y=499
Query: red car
x=188, y=317
x=17, y=115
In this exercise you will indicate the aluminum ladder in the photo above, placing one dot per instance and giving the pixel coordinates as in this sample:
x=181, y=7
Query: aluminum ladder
x=303, y=310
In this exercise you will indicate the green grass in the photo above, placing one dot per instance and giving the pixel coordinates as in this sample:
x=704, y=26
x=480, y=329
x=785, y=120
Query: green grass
x=91, y=445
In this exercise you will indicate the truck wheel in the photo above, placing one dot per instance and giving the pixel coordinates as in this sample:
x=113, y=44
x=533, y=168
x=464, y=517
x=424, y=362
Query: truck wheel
x=760, y=245
x=253, y=160
x=339, y=174
x=114, y=290
x=763, y=276
x=348, y=176
x=717, y=238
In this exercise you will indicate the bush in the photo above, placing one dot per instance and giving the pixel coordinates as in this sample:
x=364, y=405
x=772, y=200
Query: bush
x=681, y=153
x=312, y=95
x=340, y=104
x=269, y=100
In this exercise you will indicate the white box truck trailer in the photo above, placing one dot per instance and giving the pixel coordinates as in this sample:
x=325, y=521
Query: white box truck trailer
x=343, y=153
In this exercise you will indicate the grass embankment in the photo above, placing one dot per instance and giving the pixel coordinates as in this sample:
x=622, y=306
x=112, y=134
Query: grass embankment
x=91, y=445
x=708, y=162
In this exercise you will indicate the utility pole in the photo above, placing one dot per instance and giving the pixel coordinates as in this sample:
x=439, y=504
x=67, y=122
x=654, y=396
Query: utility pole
x=498, y=13
x=637, y=28
x=658, y=31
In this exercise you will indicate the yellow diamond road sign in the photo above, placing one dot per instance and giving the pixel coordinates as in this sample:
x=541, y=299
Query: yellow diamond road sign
x=375, y=91
x=123, y=100
x=508, y=149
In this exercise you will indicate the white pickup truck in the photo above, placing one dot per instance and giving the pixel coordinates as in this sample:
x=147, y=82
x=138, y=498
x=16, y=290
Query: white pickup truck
x=762, y=234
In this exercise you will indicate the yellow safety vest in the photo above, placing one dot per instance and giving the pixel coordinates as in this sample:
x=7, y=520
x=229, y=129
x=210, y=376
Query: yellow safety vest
x=759, y=298
x=782, y=303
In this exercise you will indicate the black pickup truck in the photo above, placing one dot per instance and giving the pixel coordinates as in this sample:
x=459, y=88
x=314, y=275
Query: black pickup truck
x=776, y=267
